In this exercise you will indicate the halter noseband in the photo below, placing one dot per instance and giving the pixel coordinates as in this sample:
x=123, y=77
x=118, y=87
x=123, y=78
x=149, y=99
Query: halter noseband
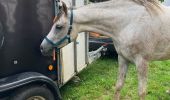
x=67, y=37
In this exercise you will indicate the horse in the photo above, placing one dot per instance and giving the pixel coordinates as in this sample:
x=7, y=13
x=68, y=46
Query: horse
x=140, y=30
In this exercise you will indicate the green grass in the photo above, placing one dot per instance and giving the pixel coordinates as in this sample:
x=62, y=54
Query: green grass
x=98, y=81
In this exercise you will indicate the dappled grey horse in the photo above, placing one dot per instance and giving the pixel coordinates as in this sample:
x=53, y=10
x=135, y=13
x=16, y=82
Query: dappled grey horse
x=140, y=30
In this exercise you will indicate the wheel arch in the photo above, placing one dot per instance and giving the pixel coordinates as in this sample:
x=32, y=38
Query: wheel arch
x=28, y=78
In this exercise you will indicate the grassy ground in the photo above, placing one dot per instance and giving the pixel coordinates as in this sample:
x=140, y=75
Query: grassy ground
x=98, y=81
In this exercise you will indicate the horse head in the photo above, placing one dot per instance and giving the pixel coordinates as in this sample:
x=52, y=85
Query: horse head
x=61, y=32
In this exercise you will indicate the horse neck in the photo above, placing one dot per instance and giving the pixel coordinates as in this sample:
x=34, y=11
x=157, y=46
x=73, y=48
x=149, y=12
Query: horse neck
x=106, y=18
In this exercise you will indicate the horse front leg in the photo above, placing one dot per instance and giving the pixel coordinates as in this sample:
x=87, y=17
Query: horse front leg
x=142, y=68
x=123, y=66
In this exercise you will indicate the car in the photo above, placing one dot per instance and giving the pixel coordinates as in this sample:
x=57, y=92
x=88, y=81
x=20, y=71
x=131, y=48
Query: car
x=96, y=41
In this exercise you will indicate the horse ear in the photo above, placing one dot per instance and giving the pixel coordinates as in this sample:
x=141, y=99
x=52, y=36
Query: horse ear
x=55, y=19
x=65, y=8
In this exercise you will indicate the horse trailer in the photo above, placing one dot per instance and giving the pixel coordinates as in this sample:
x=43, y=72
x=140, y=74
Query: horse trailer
x=25, y=74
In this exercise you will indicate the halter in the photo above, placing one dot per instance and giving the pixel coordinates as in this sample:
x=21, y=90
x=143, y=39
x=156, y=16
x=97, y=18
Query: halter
x=67, y=37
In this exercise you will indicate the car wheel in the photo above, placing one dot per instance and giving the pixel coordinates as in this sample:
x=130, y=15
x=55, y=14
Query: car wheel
x=33, y=93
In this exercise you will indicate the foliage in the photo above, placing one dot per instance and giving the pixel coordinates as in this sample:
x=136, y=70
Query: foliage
x=161, y=0
x=107, y=0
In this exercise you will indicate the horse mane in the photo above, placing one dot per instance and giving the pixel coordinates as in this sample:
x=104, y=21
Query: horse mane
x=151, y=5
x=65, y=9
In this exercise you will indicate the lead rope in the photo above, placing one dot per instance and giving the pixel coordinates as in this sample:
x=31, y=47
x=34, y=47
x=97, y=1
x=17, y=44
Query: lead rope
x=54, y=55
x=57, y=9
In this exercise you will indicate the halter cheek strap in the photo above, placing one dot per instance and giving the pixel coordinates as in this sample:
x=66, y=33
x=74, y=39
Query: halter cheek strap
x=71, y=22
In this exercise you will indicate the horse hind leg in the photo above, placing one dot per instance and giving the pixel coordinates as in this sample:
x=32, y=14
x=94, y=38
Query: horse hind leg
x=142, y=69
x=123, y=66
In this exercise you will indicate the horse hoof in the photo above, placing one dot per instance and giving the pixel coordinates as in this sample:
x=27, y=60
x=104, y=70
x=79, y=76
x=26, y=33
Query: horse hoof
x=116, y=96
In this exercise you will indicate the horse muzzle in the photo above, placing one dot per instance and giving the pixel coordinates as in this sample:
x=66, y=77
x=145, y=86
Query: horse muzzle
x=46, y=48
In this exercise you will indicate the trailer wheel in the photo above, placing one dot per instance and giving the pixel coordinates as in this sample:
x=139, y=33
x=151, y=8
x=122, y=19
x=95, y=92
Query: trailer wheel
x=33, y=93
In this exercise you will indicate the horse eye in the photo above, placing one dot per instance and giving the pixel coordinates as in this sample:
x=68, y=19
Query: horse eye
x=59, y=27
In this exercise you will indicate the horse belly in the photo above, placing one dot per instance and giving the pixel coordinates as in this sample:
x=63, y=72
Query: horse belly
x=162, y=53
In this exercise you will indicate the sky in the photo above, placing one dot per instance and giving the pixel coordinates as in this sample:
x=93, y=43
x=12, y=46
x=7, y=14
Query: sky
x=166, y=2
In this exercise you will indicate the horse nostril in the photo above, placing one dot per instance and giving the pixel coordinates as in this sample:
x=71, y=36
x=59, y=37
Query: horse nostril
x=41, y=48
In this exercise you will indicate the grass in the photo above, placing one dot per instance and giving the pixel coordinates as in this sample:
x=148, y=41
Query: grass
x=98, y=81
